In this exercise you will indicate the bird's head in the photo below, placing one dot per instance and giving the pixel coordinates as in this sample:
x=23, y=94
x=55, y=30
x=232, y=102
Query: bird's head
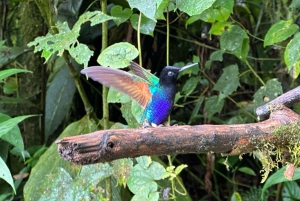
x=169, y=74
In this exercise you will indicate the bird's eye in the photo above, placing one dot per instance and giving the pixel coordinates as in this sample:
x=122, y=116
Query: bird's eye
x=170, y=73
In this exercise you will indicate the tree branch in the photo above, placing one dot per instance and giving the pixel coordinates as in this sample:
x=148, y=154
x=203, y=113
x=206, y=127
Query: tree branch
x=108, y=145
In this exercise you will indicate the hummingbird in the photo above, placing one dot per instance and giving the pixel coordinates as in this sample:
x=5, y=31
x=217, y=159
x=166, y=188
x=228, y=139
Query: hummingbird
x=155, y=95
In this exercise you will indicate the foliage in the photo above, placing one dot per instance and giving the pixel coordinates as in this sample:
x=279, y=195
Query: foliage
x=238, y=47
x=10, y=132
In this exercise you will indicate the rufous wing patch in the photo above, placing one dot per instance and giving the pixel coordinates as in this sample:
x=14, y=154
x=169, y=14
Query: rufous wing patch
x=129, y=84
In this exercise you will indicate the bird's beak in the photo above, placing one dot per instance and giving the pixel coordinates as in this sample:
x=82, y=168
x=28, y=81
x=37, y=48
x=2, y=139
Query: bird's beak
x=188, y=66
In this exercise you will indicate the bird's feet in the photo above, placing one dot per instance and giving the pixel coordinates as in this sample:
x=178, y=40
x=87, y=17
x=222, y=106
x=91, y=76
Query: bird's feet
x=147, y=124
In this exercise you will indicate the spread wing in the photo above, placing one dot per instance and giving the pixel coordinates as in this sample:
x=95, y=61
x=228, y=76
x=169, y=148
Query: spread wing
x=143, y=73
x=132, y=85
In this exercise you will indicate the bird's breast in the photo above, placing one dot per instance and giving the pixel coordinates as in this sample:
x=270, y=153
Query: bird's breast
x=159, y=107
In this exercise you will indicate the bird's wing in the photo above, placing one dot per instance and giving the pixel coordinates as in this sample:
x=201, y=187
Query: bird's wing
x=129, y=84
x=143, y=73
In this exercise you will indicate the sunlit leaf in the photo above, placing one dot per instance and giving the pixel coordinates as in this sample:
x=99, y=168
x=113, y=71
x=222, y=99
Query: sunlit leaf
x=66, y=39
x=280, y=31
x=118, y=55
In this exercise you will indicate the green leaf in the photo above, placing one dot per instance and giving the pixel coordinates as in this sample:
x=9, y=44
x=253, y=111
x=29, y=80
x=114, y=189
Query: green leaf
x=13, y=101
x=190, y=86
x=280, y=31
x=236, y=196
x=114, y=96
x=144, y=161
x=7, y=125
x=180, y=168
x=290, y=56
x=6, y=175
x=59, y=97
x=137, y=111
x=128, y=116
x=122, y=168
x=278, y=177
x=236, y=40
x=295, y=4
x=10, y=54
x=120, y=14
x=215, y=56
x=161, y=7
x=196, y=110
x=213, y=105
x=247, y=170
x=66, y=39
x=52, y=166
x=141, y=180
x=147, y=24
x=13, y=136
x=148, y=8
x=217, y=28
x=267, y=93
x=6, y=73
x=194, y=7
x=228, y=82
x=291, y=190
x=10, y=86
x=118, y=55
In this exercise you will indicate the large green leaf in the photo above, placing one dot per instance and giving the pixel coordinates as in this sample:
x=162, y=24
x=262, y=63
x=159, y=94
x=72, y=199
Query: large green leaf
x=228, y=82
x=194, y=7
x=291, y=56
x=280, y=31
x=6, y=175
x=235, y=40
x=118, y=55
x=50, y=164
x=267, y=93
x=59, y=97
